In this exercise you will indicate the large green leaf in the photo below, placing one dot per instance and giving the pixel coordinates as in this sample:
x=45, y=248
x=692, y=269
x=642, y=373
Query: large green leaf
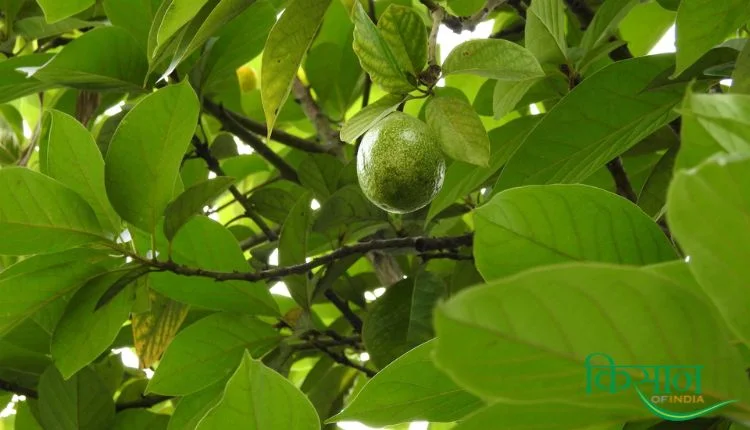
x=703, y=24
x=411, y=388
x=462, y=178
x=38, y=214
x=293, y=248
x=206, y=244
x=238, y=42
x=106, y=58
x=84, y=332
x=366, y=118
x=600, y=119
x=545, y=31
x=80, y=403
x=14, y=83
x=36, y=27
x=507, y=95
x=206, y=24
x=55, y=10
x=34, y=283
x=347, y=210
x=287, y=43
x=262, y=399
x=402, y=318
x=140, y=419
x=607, y=18
x=191, y=202
x=143, y=160
x=406, y=35
x=375, y=55
x=177, y=14
x=741, y=73
x=209, y=350
x=69, y=154
x=135, y=16
x=460, y=130
x=707, y=207
x=539, y=225
x=716, y=123
x=494, y=59
x=192, y=408
x=547, y=416
x=527, y=345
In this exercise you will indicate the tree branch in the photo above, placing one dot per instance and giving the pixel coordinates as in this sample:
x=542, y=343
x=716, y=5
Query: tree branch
x=202, y=150
x=314, y=113
x=622, y=183
x=224, y=115
x=420, y=244
x=230, y=123
x=345, y=310
x=460, y=23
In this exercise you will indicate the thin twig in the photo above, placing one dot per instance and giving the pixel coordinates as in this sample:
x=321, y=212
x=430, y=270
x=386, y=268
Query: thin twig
x=202, y=150
x=418, y=243
x=345, y=310
x=277, y=135
x=460, y=23
x=314, y=113
x=230, y=124
x=622, y=183
x=247, y=194
x=256, y=240
x=343, y=360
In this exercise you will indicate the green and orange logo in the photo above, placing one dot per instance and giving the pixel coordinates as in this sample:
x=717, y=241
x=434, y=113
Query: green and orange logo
x=669, y=385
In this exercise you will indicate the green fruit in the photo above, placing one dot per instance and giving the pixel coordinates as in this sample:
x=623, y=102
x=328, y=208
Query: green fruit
x=399, y=164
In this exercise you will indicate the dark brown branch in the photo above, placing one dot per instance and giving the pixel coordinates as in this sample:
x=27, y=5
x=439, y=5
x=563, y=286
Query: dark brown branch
x=254, y=241
x=420, y=244
x=280, y=136
x=345, y=310
x=342, y=359
x=202, y=150
x=622, y=183
x=460, y=23
x=314, y=113
x=14, y=388
x=446, y=255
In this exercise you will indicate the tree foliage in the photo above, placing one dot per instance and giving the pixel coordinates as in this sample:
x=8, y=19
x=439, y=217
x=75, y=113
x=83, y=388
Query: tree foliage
x=178, y=178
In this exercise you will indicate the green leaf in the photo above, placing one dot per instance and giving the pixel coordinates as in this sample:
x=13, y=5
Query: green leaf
x=741, y=73
x=406, y=36
x=203, y=243
x=347, y=209
x=401, y=318
x=34, y=283
x=84, y=332
x=531, y=347
x=293, y=248
x=320, y=174
x=192, y=408
x=106, y=58
x=140, y=419
x=272, y=203
x=334, y=73
x=56, y=10
x=548, y=415
x=201, y=29
x=143, y=160
x=135, y=16
x=494, y=59
x=177, y=14
x=507, y=94
x=14, y=83
x=80, y=403
x=545, y=31
x=459, y=129
x=287, y=43
x=606, y=20
x=716, y=123
x=38, y=214
x=36, y=27
x=706, y=207
x=366, y=118
x=462, y=178
x=411, y=388
x=520, y=229
x=209, y=350
x=375, y=55
x=262, y=399
x=69, y=154
x=701, y=25
x=191, y=202
x=578, y=137
x=326, y=393
x=653, y=196
x=238, y=41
